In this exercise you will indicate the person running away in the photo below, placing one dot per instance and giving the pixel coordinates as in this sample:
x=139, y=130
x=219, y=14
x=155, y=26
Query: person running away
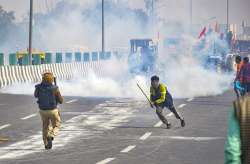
x=49, y=96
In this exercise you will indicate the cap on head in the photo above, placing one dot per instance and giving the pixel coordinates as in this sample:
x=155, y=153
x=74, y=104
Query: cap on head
x=155, y=78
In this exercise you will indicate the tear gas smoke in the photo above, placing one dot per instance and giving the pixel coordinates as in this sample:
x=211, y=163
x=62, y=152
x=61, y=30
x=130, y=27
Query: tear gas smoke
x=71, y=24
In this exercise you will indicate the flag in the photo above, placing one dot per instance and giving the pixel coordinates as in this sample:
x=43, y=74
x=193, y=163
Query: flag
x=203, y=32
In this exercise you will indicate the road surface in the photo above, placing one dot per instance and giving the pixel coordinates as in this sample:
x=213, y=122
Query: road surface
x=115, y=131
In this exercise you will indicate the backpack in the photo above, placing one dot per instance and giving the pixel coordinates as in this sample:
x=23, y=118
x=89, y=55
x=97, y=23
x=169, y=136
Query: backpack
x=46, y=97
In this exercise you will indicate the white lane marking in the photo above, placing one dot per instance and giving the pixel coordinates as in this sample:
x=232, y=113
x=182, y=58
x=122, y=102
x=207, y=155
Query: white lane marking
x=190, y=99
x=105, y=161
x=71, y=101
x=170, y=114
x=103, y=119
x=29, y=116
x=84, y=113
x=158, y=124
x=4, y=126
x=194, y=138
x=128, y=149
x=181, y=106
x=145, y=136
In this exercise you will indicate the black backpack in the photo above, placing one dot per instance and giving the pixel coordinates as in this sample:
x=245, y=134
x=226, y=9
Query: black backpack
x=46, y=96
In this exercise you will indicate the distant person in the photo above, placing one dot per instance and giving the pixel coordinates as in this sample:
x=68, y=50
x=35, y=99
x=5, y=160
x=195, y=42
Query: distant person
x=49, y=96
x=42, y=59
x=20, y=61
x=160, y=98
x=244, y=75
x=237, y=147
x=237, y=82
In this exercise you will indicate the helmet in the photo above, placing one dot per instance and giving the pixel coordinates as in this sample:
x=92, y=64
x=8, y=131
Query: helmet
x=48, y=77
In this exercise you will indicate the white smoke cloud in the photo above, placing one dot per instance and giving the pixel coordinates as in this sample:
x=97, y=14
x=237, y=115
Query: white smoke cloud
x=184, y=78
x=173, y=11
x=187, y=78
x=69, y=31
x=183, y=73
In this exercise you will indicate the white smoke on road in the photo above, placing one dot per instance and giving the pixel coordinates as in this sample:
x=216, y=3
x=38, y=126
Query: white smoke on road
x=187, y=78
x=184, y=78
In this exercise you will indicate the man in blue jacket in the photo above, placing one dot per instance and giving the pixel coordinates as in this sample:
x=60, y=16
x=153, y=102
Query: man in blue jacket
x=49, y=96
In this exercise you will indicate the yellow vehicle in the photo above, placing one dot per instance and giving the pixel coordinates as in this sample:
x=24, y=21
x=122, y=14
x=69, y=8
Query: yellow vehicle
x=21, y=54
x=38, y=57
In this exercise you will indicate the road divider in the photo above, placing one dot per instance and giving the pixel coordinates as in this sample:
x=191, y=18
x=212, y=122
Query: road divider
x=10, y=75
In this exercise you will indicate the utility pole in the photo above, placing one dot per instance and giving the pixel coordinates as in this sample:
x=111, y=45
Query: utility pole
x=152, y=12
x=103, y=30
x=191, y=12
x=30, y=32
x=228, y=15
x=153, y=18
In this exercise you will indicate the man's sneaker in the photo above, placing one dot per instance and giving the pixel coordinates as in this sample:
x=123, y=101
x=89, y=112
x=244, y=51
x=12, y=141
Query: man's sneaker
x=183, y=122
x=168, y=125
x=49, y=140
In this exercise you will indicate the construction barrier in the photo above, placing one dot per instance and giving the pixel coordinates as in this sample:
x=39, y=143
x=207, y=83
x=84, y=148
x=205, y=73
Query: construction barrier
x=32, y=73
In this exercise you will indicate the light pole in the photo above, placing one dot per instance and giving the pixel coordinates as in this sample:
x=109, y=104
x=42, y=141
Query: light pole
x=152, y=17
x=191, y=12
x=103, y=30
x=30, y=32
x=227, y=15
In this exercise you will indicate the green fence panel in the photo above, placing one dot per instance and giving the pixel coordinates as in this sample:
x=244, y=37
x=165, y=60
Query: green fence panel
x=12, y=59
x=25, y=59
x=68, y=57
x=48, y=58
x=101, y=55
x=58, y=57
x=78, y=57
x=1, y=59
x=108, y=55
x=94, y=56
x=36, y=59
x=86, y=57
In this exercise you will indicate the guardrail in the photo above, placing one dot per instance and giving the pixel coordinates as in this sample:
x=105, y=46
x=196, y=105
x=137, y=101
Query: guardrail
x=22, y=58
x=32, y=73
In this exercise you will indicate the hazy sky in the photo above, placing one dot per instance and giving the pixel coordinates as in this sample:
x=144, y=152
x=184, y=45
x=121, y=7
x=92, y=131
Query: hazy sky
x=202, y=9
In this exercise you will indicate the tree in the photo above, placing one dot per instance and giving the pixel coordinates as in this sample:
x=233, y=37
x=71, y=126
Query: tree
x=6, y=24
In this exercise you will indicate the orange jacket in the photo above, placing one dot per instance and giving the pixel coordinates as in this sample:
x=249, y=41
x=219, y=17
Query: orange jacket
x=238, y=68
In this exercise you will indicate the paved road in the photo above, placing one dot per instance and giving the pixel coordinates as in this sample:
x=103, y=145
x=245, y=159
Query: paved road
x=115, y=131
